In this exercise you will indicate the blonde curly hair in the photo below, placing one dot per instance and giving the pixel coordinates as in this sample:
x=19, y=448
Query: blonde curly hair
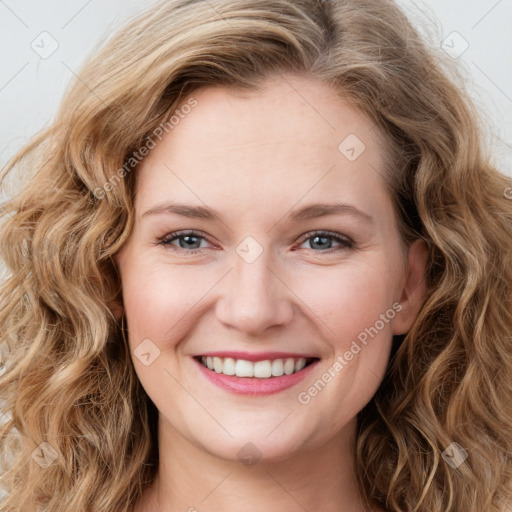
x=68, y=379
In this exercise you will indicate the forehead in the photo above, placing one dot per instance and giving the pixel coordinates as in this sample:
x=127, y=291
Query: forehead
x=294, y=136
x=289, y=108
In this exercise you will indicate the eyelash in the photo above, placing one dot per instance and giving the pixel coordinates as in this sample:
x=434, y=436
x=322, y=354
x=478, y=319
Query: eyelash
x=346, y=242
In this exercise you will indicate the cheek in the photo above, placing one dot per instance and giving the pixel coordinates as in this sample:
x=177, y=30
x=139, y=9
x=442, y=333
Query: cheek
x=159, y=300
x=347, y=300
x=355, y=306
x=161, y=305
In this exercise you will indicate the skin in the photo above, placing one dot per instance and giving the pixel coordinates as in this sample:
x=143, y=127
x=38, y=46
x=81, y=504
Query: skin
x=256, y=157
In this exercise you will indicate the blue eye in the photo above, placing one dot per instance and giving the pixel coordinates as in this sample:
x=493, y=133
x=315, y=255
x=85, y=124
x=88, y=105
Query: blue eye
x=320, y=241
x=323, y=240
x=188, y=241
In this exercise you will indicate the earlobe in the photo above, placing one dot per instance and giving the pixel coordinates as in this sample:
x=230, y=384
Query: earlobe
x=414, y=289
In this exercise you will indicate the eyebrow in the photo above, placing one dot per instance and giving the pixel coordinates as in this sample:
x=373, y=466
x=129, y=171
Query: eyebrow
x=310, y=211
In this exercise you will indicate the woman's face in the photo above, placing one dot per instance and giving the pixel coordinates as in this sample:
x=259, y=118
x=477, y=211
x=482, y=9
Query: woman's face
x=242, y=251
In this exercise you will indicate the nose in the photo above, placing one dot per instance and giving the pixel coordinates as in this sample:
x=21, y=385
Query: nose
x=254, y=297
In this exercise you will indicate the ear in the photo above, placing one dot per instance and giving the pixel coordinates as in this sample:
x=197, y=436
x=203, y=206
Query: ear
x=413, y=291
x=117, y=309
x=116, y=305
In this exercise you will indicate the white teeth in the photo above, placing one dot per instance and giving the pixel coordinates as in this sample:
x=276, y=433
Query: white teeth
x=229, y=366
x=244, y=368
x=263, y=369
x=217, y=364
x=299, y=364
x=289, y=366
x=277, y=368
x=260, y=369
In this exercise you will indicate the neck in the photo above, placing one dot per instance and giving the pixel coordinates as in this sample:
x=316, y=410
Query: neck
x=191, y=479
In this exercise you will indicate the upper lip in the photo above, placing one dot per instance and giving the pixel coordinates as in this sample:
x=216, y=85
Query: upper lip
x=257, y=356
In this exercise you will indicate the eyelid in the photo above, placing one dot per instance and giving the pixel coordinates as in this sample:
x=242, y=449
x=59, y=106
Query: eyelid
x=346, y=243
x=342, y=239
x=174, y=235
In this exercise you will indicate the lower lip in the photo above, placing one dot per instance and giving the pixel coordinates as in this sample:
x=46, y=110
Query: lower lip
x=253, y=385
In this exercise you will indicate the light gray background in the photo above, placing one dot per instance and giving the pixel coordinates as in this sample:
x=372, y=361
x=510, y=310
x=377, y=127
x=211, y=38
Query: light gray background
x=31, y=86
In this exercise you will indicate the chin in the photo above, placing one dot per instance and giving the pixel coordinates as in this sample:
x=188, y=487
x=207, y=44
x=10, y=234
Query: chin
x=258, y=446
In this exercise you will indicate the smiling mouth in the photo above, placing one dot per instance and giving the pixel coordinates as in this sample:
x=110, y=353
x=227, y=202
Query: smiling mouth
x=265, y=369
